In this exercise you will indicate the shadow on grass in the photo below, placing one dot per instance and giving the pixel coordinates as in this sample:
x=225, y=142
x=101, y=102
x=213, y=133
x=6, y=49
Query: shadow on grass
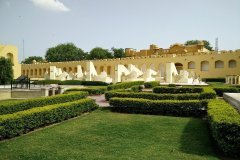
x=196, y=139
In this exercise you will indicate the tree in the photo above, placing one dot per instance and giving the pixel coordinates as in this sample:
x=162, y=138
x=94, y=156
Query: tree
x=30, y=59
x=99, y=53
x=194, y=42
x=118, y=52
x=6, y=70
x=65, y=52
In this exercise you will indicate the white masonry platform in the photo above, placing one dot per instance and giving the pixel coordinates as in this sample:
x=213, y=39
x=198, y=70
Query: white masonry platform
x=233, y=99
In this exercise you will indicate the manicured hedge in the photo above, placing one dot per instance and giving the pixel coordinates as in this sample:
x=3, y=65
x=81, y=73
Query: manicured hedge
x=151, y=84
x=221, y=90
x=152, y=96
x=136, y=88
x=175, y=90
x=193, y=108
x=91, y=90
x=207, y=93
x=72, y=82
x=124, y=85
x=15, y=124
x=224, y=122
x=213, y=80
x=39, y=102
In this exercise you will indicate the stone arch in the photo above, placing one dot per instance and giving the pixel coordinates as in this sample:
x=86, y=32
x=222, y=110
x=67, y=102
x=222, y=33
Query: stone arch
x=219, y=64
x=109, y=70
x=10, y=56
x=24, y=72
x=179, y=66
x=191, y=65
x=101, y=68
x=27, y=72
x=40, y=72
x=162, y=69
x=232, y=63
x=35, y=72
x=70, y=69
x=65, y=69
x=75, y=69
x=31, y=72
x=44, y=70
x=204, y=66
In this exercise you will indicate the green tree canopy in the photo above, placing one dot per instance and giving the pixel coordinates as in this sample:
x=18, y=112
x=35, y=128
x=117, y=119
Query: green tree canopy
x=6, y=70
x=118, y=52
x=30, y=59
x=99, y=53
x=65, y=52
x=193, y=42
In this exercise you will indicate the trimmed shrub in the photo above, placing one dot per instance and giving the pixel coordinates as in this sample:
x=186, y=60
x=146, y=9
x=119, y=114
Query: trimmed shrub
x=136, y=88
x=213, y=80
x=172, y=85
x=221, y=90
x=39, y=102
x=193, y=108
x=207, y=93
x=152, y=96
x=175, y=90
x=71, y=82
x=124, y=85
x=91, y=91
x=15, y=124
x=151, y=84
x=224, y=122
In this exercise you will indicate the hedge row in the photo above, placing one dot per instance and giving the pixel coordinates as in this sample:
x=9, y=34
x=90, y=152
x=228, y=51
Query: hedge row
x=152, y=96
x=39, y=102
x=137, y=88
x=225, y=126
x=221, y=90
x=91, y=91
x=124, y=85
x=15, y=124
x=71, y=82
x=151, y=84
x=191, y=108
x=208, y=93
x=175, y=90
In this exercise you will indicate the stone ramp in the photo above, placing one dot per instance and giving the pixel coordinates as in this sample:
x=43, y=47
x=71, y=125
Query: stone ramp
x=233, y=99
x=100, y=100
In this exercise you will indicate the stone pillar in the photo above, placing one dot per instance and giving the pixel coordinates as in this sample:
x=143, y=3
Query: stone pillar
x=60, y=90
x=53, y=91
x=226, y=79
x=45, y=92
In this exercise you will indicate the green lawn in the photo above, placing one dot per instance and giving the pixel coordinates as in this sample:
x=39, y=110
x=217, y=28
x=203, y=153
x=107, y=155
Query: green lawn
x=106, y=135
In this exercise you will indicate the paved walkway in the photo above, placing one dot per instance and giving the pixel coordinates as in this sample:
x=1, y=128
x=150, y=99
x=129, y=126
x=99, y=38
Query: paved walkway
x=100, y=100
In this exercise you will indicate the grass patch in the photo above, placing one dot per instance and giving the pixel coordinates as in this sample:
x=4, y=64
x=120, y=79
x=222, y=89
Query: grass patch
x=106, y=135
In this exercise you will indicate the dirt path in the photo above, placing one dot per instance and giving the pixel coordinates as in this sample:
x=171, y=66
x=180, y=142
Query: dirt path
x=100, y=100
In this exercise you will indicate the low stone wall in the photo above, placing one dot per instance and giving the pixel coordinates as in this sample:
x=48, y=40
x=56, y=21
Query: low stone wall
x=27, y=93
x=5, y=94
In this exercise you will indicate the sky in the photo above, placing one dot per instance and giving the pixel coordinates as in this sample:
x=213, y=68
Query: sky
x=117, y=23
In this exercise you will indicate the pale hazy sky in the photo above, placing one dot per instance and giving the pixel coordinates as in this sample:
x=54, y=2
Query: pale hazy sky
x=119, y=23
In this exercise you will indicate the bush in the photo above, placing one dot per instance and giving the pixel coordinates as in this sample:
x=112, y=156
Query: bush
x=224, y=122
x=175, y=90
x=151, y=84
x=152, y=96
x=136, y=88
x=193, y=108
x=221, y=90
x=208, y=93
x=71, y=82
x=91, y=91
x=39, y=102
x=21, y=122
x=172, y=85
x=213, y=80
x=124, y=85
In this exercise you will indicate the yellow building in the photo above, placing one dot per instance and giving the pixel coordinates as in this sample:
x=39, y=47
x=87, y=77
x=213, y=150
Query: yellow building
x=206, y=64
x=11, y=52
